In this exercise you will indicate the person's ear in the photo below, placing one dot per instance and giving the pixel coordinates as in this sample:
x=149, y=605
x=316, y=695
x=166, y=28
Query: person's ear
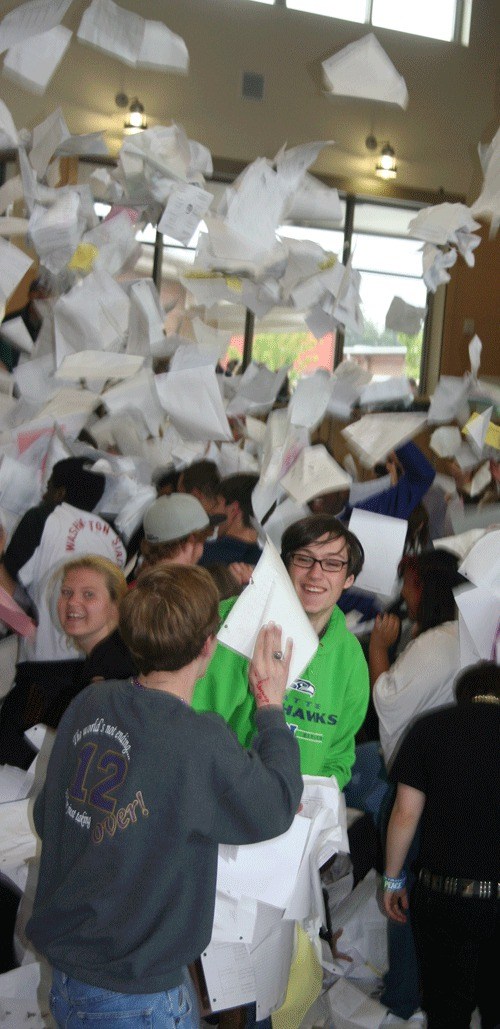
x=209, y=646
x=349, y=581
x=59, y=494
x=232, y=510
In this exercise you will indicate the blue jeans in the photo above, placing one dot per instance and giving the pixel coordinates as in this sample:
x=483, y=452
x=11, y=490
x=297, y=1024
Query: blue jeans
x=75, y=1004
x=401, y=993
x=368, y=786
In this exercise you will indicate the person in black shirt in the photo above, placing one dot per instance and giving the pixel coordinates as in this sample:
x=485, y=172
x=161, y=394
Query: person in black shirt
x=91, y=589
x=71, y=481
x=448, y=776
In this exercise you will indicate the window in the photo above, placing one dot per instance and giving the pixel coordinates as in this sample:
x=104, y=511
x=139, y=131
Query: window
x=390, y=264
x=436, y=19
x=427, y=18
x=352, y=10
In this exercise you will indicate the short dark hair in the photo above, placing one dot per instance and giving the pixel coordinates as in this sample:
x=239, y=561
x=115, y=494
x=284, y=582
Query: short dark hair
x=482, y=679
x=202, y=475
x=83, y=487
x=153, y=553
x=168, y=477
x=436, y=573
x=168, y=616
x=240, y=487
x=311, y=529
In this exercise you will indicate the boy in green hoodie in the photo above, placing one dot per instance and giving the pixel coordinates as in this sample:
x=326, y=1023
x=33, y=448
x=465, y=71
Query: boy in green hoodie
x=327, y=705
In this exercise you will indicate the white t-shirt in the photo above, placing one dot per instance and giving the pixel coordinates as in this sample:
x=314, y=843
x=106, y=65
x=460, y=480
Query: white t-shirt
x=68, y=533
x=420, y=680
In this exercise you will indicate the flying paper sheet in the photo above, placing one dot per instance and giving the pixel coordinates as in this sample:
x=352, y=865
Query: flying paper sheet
x=403, y=317
x=19, y=487
x=487, y=204
x=314, y=472
x=446, y=441
x=348, y=381
x=15, y=331
x=270, y=596
x=56, y=231
x=98, y=366
x=475, y=348
x=193, y=402
x=375, y=435
x=8, y=131
x=84, y=143
x=482, y=563
x=109, y=27
x=363, y=69
x=138, y=393
x=31, y=19
x=435, y=263
x=315, y=200
x=479, y=620
x=162, y=49
x=383, y=540
x=449, y=400
x=46, y=138
x=132, y=39
x=115, y=243
x=211, y=338
x=14, y=263
x=395, y=388
x=33, y=62
x=292, y=164
x=440, y=224
x=258, y=388
x=310, y=400
x=13, y=226
x=146, y=333
x=11, y=191
x=92, y=316
x=185, y=208
x=476, y=430
x=284, y=514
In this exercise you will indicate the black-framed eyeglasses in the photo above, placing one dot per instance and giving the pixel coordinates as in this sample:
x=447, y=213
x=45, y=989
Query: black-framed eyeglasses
x=327, y=564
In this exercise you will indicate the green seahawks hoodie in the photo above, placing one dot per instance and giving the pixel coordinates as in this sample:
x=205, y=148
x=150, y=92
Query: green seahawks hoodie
x=324, y=708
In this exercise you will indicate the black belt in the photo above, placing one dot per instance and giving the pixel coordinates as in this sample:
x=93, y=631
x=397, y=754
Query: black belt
x=456, y=887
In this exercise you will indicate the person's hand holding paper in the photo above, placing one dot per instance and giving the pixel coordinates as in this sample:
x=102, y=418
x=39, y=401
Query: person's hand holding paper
x=268, y=671
x=270, y=596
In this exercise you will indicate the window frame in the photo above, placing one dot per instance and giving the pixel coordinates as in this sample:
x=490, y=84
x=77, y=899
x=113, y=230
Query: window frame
x=461, y=29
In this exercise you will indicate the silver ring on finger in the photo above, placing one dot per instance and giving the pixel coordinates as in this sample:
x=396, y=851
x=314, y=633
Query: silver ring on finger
x=278, y=655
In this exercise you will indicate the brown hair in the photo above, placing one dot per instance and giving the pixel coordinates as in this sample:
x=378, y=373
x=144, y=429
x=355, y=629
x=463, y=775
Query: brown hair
x=153, y=553
x=311, y=529
x=167, y=617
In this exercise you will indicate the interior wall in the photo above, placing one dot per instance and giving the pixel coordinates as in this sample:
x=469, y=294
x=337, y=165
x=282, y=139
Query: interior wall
x=454, y=92
x=471, y=306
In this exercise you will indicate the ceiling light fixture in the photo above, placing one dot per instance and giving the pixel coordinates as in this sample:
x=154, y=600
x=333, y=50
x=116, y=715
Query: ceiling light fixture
x=386, y=167
x=136, y=119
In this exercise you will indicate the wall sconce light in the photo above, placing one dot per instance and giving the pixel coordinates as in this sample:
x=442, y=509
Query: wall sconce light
x=136, y=119
x=386, y=167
